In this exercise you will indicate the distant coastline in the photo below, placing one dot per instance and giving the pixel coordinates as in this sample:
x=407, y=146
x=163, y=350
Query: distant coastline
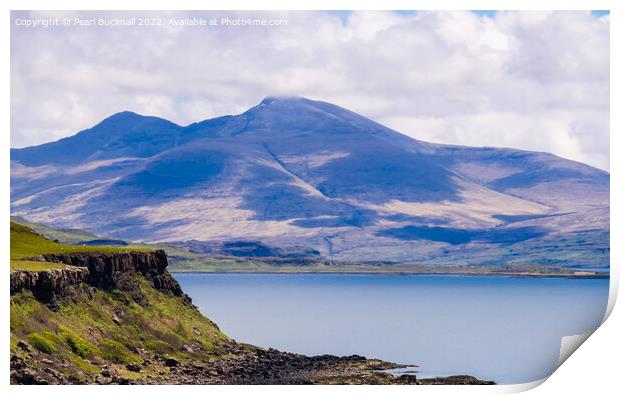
x=413, y=271
x=184, y=259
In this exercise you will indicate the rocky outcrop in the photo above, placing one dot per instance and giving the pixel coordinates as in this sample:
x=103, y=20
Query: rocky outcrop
x=96, y=269
x=49, y=285
x=104, y=267
x=455, y=380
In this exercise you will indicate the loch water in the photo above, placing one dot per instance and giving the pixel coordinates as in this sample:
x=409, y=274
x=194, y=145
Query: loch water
x=506, y=329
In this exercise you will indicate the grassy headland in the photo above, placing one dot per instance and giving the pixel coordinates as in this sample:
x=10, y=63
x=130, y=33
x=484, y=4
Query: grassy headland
x=111, y=329
x=95, y=327
x=27, y=246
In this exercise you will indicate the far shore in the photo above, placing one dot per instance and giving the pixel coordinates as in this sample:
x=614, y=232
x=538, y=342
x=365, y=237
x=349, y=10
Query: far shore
x=414, y=271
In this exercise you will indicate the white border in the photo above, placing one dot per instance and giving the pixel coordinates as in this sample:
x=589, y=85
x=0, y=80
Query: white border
x=593, y=370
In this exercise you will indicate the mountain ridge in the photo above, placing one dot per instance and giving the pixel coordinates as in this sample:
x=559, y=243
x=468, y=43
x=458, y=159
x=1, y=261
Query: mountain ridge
x=269, y=100
x=293, y=170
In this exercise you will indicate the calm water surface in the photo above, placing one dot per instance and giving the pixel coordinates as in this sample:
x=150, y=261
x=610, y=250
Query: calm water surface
x=499, y=328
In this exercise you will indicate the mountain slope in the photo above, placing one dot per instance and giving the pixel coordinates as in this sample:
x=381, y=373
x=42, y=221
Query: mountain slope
x=293, y=171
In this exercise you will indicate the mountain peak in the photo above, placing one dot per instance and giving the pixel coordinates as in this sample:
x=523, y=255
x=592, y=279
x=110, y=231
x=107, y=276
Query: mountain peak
x=125, y=133
x=125, y=113
x=123, y=116
x=127, y=121
x=273, y=99
x=296, y=114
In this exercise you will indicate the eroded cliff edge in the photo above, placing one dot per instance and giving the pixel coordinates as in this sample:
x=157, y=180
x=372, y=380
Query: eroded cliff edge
x=100, y=270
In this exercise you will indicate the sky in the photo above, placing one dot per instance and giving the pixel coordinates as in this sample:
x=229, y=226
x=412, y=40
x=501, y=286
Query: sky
x=529, y=80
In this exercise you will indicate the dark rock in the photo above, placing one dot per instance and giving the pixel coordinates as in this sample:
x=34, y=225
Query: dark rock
x=22, y=345
x=133, y=367
x=455, y=380
x=120, y=380
x=28, y=376
x=407, y=379
x=17, y=362
x=171, y=362
x=48, y=285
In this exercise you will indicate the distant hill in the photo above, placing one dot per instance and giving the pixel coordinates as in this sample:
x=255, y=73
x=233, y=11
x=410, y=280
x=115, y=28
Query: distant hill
x=66, y=236
x=293, y=172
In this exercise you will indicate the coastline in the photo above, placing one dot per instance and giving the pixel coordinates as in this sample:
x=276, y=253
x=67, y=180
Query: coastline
x=577, y=276
x=85, y=314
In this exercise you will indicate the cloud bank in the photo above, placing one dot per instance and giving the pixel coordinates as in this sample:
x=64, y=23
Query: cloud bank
x=530, y=80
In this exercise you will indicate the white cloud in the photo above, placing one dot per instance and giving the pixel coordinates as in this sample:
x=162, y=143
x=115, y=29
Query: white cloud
x=529, y=80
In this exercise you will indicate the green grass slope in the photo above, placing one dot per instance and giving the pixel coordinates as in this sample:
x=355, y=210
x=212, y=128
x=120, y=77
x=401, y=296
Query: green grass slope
x=27, y=245
x=130, y=324
x=65, y=236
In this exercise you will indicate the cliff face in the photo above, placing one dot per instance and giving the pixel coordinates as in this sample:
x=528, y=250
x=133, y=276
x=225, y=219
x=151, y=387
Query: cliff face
x=100, y=270
x=49, y=285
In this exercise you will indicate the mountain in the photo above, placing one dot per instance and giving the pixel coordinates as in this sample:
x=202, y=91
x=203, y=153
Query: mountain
x=297, y=172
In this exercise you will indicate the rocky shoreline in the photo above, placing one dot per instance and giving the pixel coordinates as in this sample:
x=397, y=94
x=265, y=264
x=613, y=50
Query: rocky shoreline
x=246, y=365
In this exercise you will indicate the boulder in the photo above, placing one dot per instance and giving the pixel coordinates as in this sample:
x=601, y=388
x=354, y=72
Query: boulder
x=171, y=362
